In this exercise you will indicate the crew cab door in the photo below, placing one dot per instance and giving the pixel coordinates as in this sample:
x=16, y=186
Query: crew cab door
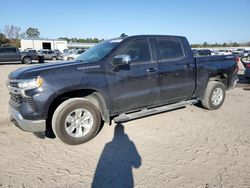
x=176, y=69
x=9, y=54
x=135, y=85
x=2, y=54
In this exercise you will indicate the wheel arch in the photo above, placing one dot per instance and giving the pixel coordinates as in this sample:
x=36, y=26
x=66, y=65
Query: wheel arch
x=92, y=95
x=24, y=56
x=220, y=77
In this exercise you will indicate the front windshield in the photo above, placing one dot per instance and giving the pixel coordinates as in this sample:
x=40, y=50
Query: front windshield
x=98, y=51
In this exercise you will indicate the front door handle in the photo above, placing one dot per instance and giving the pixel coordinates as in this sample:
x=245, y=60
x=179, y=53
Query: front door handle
x=151, y=70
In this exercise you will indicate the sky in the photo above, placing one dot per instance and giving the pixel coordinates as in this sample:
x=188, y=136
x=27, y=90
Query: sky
x=212, y=21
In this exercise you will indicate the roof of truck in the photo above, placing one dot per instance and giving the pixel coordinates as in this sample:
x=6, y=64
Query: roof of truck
x=143, y=36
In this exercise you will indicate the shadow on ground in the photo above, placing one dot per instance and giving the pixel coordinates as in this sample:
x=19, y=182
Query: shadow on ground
x=116, y=162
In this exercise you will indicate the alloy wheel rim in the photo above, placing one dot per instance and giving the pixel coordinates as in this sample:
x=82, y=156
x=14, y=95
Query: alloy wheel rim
x=79, y=122
x=27, y=60
x=217, y=96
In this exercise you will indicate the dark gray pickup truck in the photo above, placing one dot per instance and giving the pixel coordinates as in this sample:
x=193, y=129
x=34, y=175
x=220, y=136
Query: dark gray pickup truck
x=119, y=79
x=12, y=54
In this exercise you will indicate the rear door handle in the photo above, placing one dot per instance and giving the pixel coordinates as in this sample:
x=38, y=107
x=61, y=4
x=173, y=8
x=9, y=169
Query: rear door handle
x=151, y=70
x=188, y=66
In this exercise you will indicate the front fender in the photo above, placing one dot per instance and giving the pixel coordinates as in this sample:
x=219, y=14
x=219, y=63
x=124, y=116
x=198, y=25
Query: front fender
x=65, y=93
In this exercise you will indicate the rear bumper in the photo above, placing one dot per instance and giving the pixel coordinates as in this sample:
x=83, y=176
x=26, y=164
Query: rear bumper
x=247, y=73
x=24, y=124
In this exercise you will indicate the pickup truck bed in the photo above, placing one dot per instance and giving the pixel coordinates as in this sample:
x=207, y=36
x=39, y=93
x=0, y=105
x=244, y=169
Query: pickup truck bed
x=210, y=66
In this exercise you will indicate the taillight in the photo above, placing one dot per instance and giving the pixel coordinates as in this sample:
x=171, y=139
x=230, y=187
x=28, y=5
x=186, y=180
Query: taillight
x=237, y=60
x=248, y=65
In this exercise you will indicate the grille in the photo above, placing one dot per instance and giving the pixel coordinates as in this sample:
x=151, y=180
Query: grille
x=14, y=84
x=17, y=98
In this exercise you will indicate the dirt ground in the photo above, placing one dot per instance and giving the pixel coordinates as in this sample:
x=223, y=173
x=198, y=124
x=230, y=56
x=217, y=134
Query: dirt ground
x=190, y=147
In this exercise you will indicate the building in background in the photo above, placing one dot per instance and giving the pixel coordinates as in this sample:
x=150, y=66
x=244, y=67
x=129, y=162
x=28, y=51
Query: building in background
x=52, y=44
x=38, y=44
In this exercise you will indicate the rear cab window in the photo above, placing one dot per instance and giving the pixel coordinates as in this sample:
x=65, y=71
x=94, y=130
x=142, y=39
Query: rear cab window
x=170, y=49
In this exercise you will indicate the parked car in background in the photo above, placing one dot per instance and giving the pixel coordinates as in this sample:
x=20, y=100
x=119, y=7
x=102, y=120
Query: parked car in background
x=30, y=50
x=246, y=53
x=194, y=51
x=239, y=52
x=203, y=52
x=246, y=62
x=224, y=52
x=49, y=55
x=11, y=54
x=65, y=51
x=73, y=55
x=58, y=52
x=214, y=52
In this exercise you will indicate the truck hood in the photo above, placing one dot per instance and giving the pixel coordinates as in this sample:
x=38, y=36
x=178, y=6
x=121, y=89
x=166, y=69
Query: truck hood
x=36, y=70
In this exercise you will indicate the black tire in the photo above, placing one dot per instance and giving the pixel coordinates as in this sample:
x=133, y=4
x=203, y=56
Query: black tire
x=64, y=110
x=209, y=101
x=40, y=59
x=70, y=59
x=27, y=60
x=54, y=58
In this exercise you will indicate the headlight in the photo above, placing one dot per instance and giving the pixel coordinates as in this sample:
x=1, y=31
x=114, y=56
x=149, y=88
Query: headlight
x=31, y=83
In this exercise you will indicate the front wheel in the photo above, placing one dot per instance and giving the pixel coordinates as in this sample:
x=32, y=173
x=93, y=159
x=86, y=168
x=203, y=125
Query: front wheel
x=214, y=95
x=76, y=121
x=54, y=58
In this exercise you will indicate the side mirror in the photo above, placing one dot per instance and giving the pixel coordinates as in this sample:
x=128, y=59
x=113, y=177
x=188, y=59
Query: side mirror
x=120, y=60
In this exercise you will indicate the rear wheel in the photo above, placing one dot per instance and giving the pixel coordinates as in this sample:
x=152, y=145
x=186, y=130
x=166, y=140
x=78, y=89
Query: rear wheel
x=76, y=121
x=27, y=60
x=214, y=95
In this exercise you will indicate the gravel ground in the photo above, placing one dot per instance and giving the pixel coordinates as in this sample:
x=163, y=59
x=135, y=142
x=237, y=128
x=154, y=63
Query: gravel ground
x=190, y=147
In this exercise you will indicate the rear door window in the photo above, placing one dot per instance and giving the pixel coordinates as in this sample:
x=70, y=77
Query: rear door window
x=10, y=50
x=169, y=49
x=2, y=50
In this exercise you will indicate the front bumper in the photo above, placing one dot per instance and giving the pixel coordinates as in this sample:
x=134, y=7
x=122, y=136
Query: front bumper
x=26, y=125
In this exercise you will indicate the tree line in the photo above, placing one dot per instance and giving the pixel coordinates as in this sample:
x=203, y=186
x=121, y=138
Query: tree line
x=11, y=35
x=230, y=44
x=82, y=40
